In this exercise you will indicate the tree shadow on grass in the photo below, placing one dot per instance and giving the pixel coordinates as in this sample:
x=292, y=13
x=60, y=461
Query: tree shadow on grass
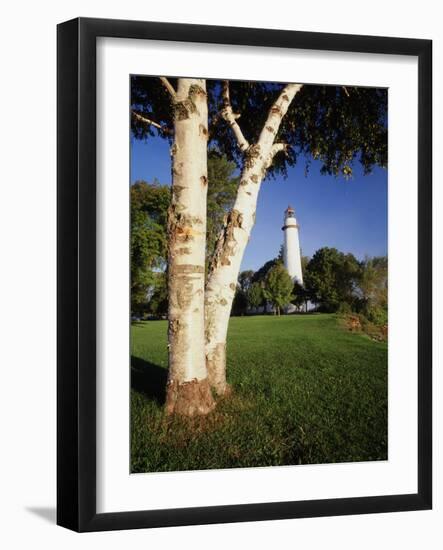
x=149, y=379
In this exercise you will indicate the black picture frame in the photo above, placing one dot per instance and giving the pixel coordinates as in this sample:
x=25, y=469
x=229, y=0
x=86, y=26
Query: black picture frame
x=76, y=265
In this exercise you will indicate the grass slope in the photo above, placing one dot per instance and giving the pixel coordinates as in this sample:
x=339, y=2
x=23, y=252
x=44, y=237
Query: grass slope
x=305, y=391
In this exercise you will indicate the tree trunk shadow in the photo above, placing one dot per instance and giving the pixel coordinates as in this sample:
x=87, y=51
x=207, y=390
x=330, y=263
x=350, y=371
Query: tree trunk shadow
x=149, y=379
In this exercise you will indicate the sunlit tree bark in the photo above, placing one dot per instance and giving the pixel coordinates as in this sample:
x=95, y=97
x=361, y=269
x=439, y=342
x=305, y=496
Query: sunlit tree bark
x=225, y=267
x=188, y=389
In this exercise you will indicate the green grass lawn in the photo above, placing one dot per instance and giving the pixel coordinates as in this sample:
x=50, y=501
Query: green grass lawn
x=306, y=391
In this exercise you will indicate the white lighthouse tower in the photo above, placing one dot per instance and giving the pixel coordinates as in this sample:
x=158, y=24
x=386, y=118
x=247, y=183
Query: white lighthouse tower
x=291, y=247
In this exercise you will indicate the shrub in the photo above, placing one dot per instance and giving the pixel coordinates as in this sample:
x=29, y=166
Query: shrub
x=373, y=330
x=344, y=308
x=377, y=315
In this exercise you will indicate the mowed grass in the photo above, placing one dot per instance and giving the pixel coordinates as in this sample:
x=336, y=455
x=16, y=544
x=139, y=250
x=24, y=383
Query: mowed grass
x=305, y=391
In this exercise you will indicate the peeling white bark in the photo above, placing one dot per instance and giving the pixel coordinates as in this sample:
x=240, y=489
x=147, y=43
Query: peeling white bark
x=169, y=87
x=231, y=118
x=223, y=275
x=188, y=391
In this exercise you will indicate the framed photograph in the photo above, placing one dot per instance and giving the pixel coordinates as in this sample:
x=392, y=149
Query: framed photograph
x=244, y=274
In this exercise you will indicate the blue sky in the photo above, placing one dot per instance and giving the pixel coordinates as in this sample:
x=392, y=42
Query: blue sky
x=348, y=215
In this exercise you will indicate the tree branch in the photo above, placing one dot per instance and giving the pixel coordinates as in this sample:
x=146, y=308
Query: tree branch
x=231, y=118
x=276, y=148
x=146, y=120
x=277, y=111
x=150, y=122
x=169, y=87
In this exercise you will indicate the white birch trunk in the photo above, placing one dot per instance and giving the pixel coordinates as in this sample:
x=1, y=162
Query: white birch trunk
x=188, y=390
x=225, y=268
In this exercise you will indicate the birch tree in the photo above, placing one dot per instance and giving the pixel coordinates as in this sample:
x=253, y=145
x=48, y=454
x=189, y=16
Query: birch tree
x=188, y=390
x=329, y=124
x=225, y=267
x=279, y=124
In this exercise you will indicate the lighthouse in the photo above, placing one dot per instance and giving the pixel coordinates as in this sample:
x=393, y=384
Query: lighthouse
x=291, y=246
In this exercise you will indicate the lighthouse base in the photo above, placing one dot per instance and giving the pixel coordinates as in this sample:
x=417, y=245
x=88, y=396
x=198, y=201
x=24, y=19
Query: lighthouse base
x=290, y=308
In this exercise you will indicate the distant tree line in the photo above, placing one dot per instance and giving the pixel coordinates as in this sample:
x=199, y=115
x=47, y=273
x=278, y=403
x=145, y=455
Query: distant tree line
x=333, y=282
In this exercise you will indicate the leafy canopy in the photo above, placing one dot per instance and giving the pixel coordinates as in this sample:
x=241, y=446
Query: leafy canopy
x=335, y=125
x=373, y=289
x=149, y=205
x=222, y=190
x=278, y=287
x=373, y=282
x=300, y=296
x=245, y=279
x=260, y=275
x=331, y=278
x=255, y=295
